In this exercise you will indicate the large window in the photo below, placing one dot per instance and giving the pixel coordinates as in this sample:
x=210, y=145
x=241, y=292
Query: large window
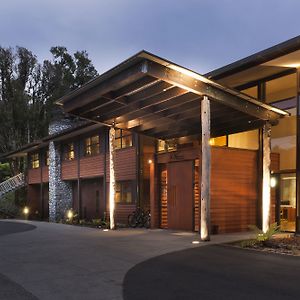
x=91, y=146
x=219, y=141
x=123, y=139
x=69, y=152
x=124, y=192
x=35, y=161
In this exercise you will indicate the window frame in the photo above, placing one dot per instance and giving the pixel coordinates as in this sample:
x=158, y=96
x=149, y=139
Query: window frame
x=69, y=148
x=91, y=146
x=35, y=160
x=120, y=188
x=121, y=138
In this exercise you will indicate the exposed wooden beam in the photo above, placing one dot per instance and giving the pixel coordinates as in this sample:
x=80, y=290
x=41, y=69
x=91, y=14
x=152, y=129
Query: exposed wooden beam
x=213, y=92
x=118, y=81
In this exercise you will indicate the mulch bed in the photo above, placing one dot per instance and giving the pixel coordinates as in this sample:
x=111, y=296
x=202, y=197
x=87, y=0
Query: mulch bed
x=285, y=245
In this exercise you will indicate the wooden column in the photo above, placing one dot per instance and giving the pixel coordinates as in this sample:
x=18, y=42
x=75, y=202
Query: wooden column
x=206, y=166
x=154, y=205
x=112, y=178
x=266, y=187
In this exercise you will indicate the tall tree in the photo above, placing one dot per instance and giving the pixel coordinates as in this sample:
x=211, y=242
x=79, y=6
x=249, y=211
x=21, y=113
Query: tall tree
x=28, y=90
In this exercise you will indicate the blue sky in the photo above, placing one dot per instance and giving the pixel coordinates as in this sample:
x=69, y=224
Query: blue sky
x=198, y=34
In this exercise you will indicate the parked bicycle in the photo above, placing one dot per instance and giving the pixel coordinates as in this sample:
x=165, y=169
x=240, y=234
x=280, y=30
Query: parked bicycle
x=139, y=218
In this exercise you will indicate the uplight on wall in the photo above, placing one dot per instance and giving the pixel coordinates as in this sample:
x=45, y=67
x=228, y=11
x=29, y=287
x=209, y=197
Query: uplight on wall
x=26, y=211
x=273, y=182
x=70, y=214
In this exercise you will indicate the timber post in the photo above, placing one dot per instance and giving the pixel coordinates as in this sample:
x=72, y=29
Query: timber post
x=206, y=168
x=266, y=186
x=112, y=177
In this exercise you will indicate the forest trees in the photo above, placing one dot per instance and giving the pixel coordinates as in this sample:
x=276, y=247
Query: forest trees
x=29, y=88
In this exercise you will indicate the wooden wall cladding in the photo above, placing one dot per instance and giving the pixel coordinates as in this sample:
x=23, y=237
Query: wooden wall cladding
x=125, y=164
x=121, y=212
x=233, y=189
x=33, y=197
x=92, y=166
x=45, y=174
x=34, y=176
x=69, y=170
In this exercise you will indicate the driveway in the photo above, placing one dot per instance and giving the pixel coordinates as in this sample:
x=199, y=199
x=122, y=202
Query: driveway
x=40, y=260
x=215, y=272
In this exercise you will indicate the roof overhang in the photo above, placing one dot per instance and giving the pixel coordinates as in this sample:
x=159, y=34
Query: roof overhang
x=280, y=59
x=155, y=97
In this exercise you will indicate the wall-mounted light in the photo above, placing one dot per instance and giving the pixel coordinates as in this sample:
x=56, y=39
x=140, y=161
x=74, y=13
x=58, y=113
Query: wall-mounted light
x=273, y=182
x=150, y=161
x=211, y=141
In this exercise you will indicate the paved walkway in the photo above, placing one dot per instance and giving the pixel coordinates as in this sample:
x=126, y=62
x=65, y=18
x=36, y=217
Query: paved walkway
x=55, y=261
x=214, y=273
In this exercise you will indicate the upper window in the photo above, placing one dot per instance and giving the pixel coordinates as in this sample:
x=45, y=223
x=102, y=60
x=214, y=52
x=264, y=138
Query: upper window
x=124, y=192
x=123, y=139
x=69, y=152
x=47, y=158
x=281, y=88
x=218, y=141
x=35, y=161
x=91, y=146
x=169, y=145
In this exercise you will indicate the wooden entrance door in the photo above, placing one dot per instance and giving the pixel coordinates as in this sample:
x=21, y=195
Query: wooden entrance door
x=180, y=195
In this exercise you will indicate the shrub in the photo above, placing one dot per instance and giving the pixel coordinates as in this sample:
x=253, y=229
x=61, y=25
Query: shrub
x=265, y=236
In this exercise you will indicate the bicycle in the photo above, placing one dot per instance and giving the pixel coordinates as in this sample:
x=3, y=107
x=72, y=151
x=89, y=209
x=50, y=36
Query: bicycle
x=139, y=218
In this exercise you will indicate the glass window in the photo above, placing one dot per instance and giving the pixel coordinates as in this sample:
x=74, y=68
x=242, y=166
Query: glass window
x=35, y=161
x=47, y=158
x=161, y=146
x=288, y=201
x=91, y=146
x=218, y=141
x=124, y=192
x=69, y=152
x=123, y=139
x=281, y=88
x=283, y=141
x=244, y=140
x=251, y=91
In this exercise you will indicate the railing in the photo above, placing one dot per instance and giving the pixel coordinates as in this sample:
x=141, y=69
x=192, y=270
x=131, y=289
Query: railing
x=12, y=184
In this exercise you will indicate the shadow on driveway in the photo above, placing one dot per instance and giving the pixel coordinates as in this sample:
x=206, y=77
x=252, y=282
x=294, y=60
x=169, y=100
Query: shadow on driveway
x=14, y=227
x=214, y=272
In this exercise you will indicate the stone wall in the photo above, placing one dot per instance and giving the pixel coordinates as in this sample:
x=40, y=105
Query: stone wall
x=60, y=192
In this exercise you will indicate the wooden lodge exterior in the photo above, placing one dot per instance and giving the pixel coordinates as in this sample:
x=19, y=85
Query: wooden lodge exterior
x=162, y=131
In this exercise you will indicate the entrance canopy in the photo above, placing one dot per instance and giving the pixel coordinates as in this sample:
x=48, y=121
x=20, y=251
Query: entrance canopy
x=155, y=97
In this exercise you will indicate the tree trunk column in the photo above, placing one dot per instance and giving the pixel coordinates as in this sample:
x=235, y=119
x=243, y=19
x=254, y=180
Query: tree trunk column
x=206, y=166
x=266, y=188
x=112, y=178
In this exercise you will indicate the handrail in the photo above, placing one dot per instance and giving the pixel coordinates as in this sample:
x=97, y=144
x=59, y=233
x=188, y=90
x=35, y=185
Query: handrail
x=12, y=184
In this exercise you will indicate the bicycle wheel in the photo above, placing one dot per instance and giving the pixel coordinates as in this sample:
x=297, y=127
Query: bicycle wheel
x=132, y=220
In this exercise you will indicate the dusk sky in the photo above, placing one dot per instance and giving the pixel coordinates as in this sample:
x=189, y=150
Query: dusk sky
x=198, y=34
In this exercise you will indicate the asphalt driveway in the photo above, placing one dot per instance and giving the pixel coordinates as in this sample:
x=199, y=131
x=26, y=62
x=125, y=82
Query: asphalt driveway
x=40, y=260
x=215, y=272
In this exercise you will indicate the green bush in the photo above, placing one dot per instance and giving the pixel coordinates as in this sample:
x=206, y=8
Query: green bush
x=8, y=208
x=265, y=236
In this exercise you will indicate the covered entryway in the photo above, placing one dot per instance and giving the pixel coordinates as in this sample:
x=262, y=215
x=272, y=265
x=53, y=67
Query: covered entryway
x=155, y=97
x=180, y=195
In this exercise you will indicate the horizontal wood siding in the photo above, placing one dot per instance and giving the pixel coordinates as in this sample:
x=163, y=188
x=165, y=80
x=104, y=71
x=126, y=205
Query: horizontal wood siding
x=34, y=176
x=121, y=212
x=233, y=189
x=45, y=174
x=125, y=165
x=69, y=170
x=33, y=198
x=92, y=166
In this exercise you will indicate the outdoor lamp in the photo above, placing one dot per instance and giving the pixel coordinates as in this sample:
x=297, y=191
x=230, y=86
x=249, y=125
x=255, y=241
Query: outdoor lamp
x=26, y=210
x=273, y=182
x=70, y=214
